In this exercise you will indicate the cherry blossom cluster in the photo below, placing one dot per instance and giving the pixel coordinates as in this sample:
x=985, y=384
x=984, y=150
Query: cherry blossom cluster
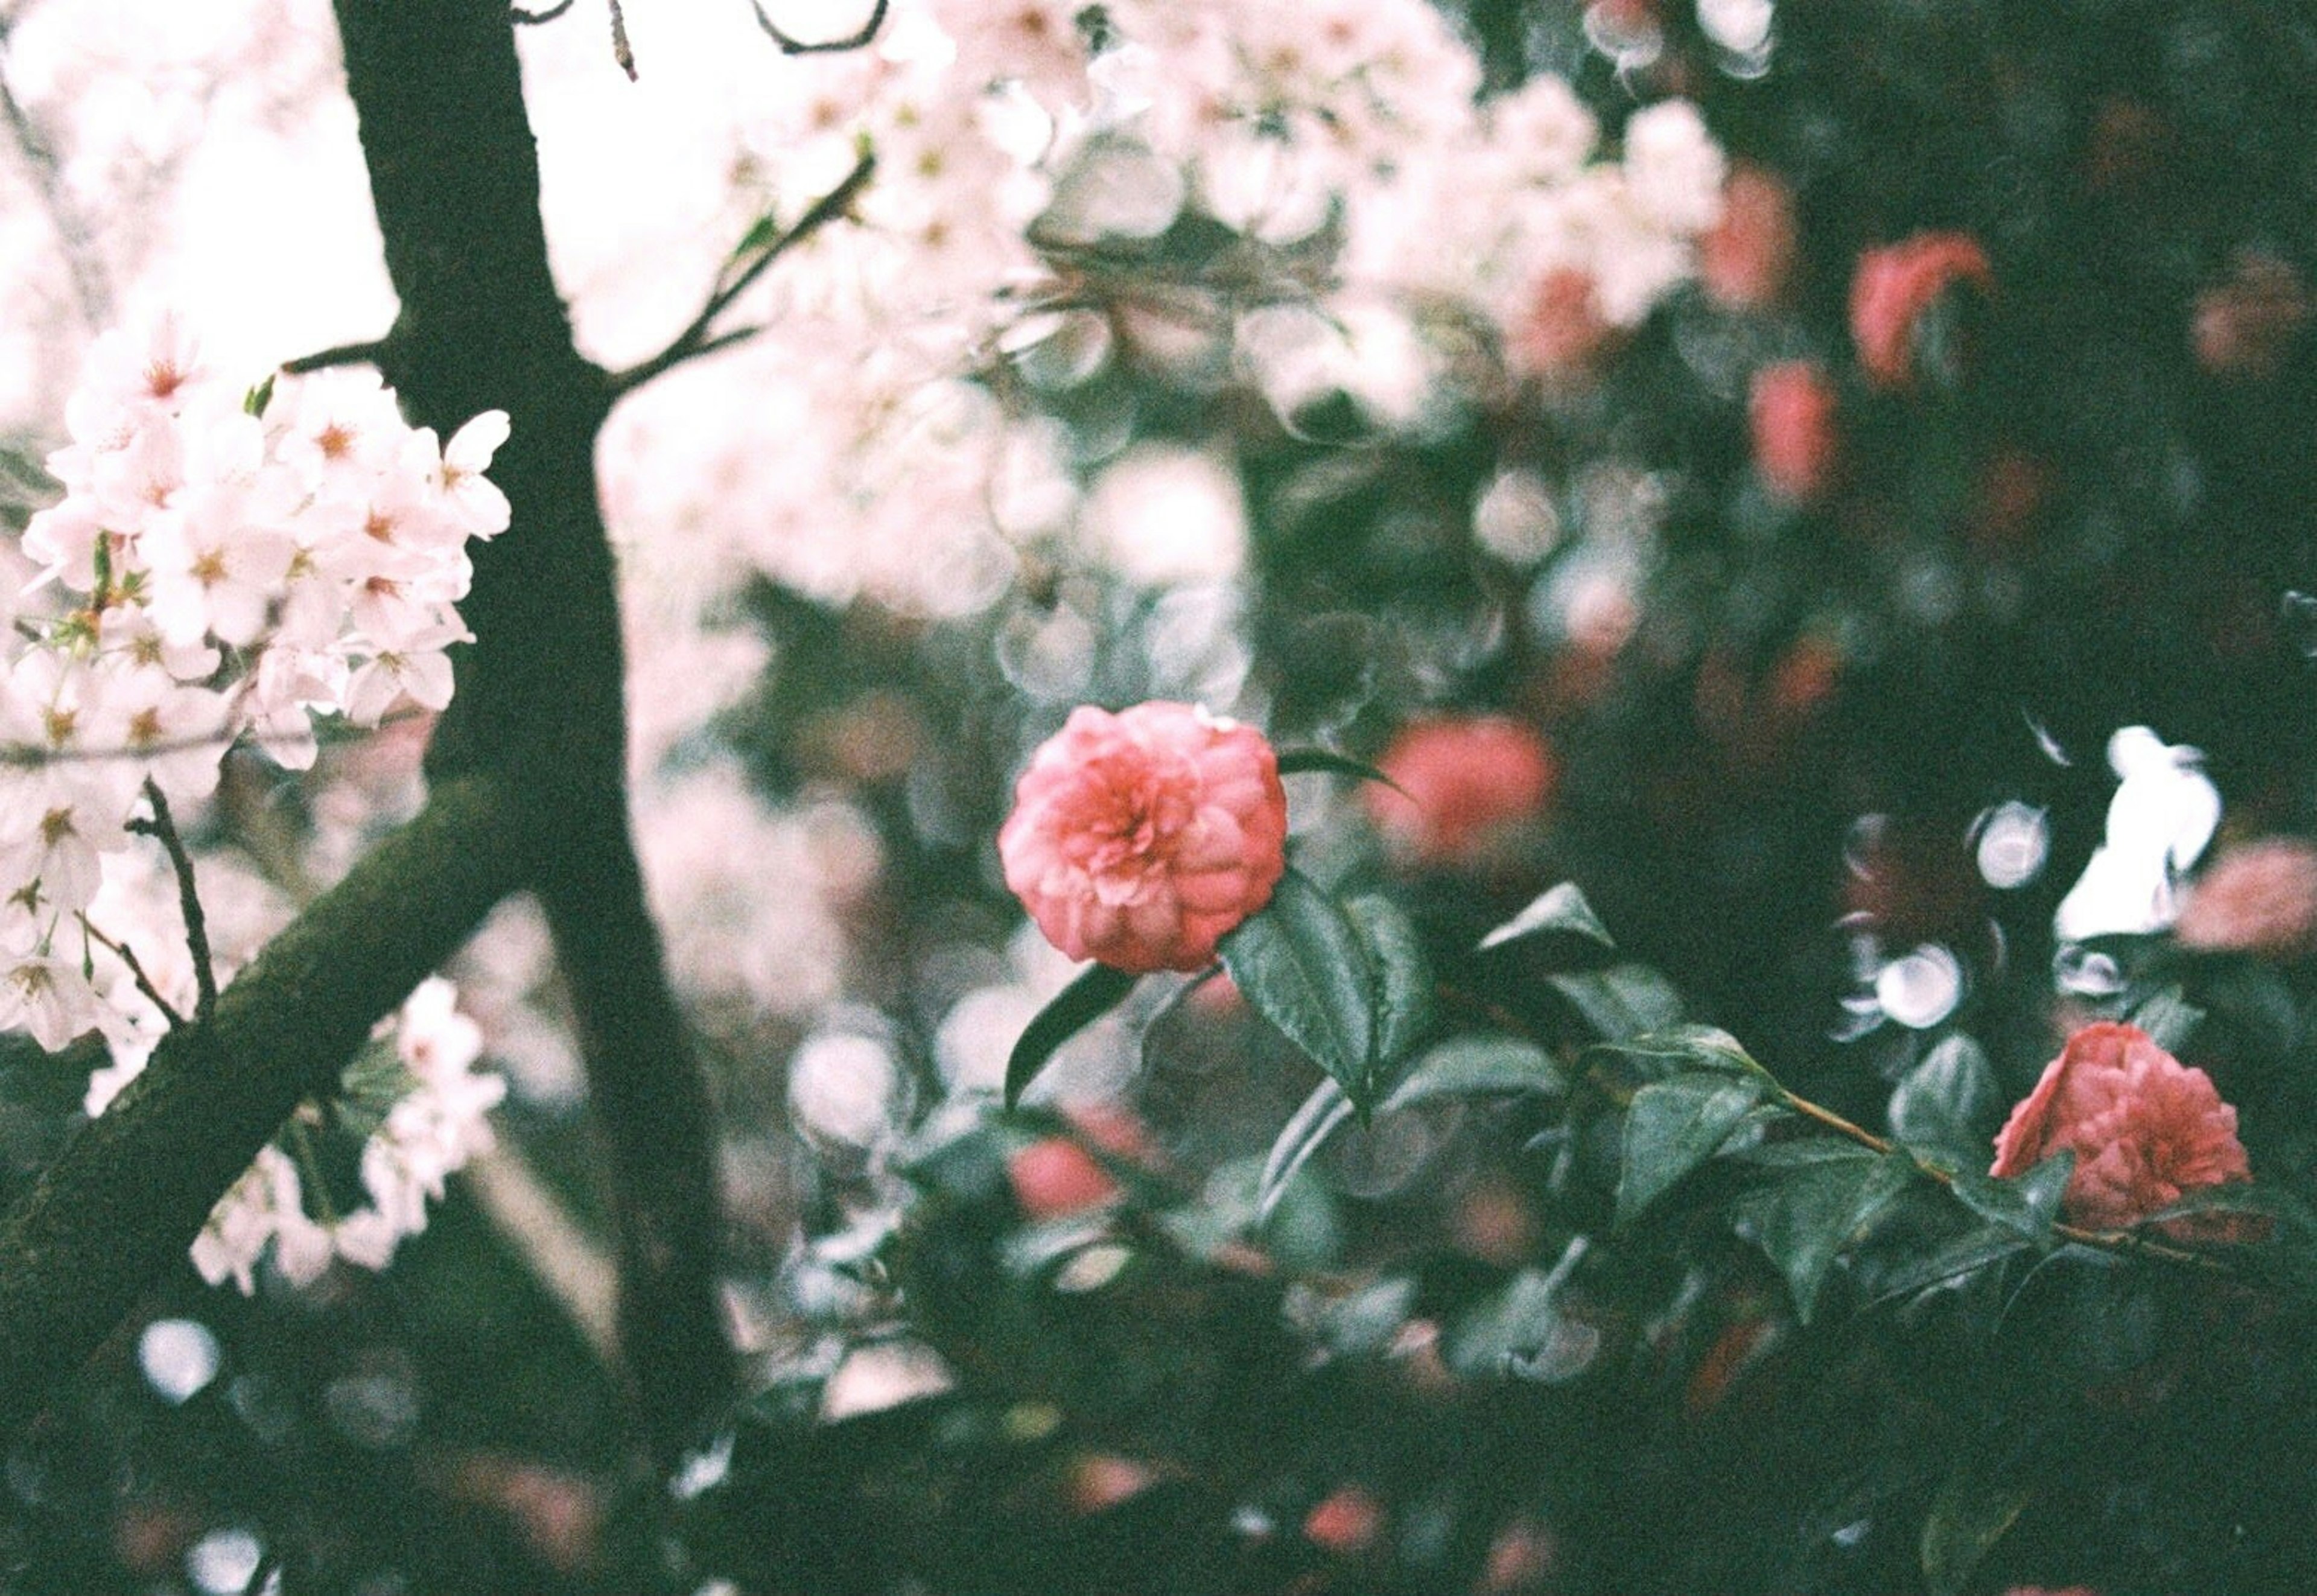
x=1019, y=144
x=431, y=1105
x=222, y=565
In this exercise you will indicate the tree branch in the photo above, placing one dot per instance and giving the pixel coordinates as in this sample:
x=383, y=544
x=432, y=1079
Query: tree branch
x=822, y=47
x=695, y=339
x=541, y=692
x=129, y=1193
x=163, y=828
x=370, y=352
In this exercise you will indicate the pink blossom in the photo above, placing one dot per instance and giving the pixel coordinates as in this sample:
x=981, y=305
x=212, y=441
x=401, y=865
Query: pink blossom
x=1346, y=1522
x=1791, y=410
x=2144, y=1128
x=1561, y=330
x=2245, y=327
x=2260, y=898
x=1463, y=780
x=1055, y=1178
x=1139, y=838
x=1895, y=285
x=1746, y=258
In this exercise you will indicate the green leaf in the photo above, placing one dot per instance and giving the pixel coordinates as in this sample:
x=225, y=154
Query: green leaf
x=1403, y=982
x=2027, y=1205
x=1968, y=1253
x=1077, y=1006
x=1302, y=965
x=1310, y=1125
x=1805, y=1215
x=1672, y=1127
x=2169, y=1019
x=254, y=402
x=1697, y=1047
x=1969, y=1514
x=1470, y=1066
x=1560, y=909
x=1622, y=1001
x=1305, y=761
x=1950, y=1105
x=1511, y=1325
x=760, y=232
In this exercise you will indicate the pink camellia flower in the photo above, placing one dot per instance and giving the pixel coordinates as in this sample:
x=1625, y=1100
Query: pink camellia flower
x=1139, y=838
x=1745, y=259
x=2259, y=898
x=1895, y=284
x=1791, y=410
x=1054, y=1178
x=1463, y=780
x=2144, y=1127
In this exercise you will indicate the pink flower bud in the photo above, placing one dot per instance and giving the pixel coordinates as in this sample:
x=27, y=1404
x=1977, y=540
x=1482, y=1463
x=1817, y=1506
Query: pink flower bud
x=2144, y=1128
x=1895, y=284
x=2259, y=898
x=1463, y=780
x=1139, y=838
x=1795, y=444
x=2245, y=327
x=1745, y=259
x=1055, y=1178
x=1346, y=1521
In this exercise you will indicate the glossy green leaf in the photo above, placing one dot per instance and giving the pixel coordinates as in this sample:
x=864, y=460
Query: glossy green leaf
x=1302, y=965
x=1972, y=1511
x=1693, y=1047
x=1671, y=1127
x=1402, y=997
x=1976, y=1249
x=1307, y=761
x=2027, y=1205
x=1306, y=1129
x=1559, y=908
x=1809, y=1210
x=2169, y=1019
x=1077, y=1006
x=1950, y=1105
x=1472, y=1066
x=1622, y=1001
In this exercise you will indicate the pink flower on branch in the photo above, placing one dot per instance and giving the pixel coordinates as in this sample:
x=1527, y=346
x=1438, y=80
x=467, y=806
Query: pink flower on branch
x=2145, y=1129
x=1139, y=838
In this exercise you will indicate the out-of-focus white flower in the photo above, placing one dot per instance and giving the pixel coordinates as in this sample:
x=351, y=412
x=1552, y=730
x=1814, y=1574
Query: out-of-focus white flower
x=2164, y=812
x=1162, y=515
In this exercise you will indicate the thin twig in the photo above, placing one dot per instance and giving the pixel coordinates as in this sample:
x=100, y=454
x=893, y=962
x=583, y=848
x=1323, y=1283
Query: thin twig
x=120, y=950
x=189, y=899
x=532, y=19
x=2128, y=1243
x=696, y=340
x=370, y=352
x=620, y=53
x=31, y=756
x=91, y=293
x=805, y=47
